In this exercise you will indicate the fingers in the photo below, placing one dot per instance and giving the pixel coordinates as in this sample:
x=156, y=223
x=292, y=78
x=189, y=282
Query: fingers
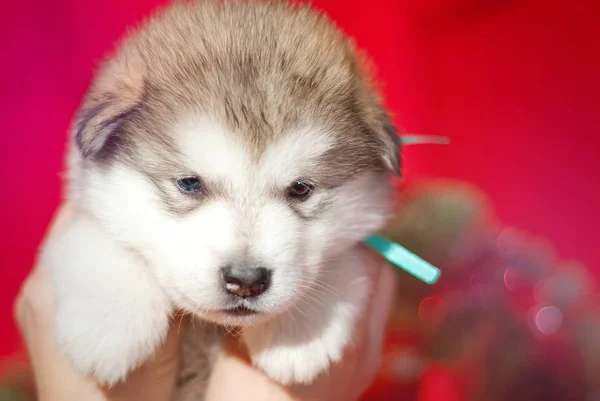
x=381, y=305
x=35, y=300
x=234, y=379
x=34, y=307
x=362, y=362
x=375, y=325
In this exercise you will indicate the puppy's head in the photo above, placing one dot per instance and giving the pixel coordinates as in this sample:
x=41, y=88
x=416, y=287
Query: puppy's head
x=236, y=148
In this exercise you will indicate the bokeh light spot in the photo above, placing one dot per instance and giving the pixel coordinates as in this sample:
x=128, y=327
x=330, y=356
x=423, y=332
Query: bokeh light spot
x=512, y=279
x=548, y=320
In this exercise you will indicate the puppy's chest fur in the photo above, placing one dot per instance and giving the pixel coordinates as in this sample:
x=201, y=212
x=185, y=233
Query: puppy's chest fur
x=199, y=349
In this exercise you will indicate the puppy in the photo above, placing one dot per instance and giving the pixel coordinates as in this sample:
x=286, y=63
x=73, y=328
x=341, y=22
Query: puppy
x=226, y=162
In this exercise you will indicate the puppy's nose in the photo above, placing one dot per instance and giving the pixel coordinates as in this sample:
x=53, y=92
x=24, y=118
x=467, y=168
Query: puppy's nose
x=246, y=282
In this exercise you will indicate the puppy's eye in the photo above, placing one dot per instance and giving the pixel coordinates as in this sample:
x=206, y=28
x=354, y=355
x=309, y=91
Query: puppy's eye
x=189, y=184
x=300, y=190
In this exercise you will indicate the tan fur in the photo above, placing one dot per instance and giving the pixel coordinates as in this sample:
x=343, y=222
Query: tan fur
x=260, y=68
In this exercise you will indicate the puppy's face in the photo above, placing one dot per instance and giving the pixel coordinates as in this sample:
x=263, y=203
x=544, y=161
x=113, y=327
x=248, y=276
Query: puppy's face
x=235, y=189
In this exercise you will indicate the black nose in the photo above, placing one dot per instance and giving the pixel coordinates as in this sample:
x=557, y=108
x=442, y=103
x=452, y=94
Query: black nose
x=246, y=282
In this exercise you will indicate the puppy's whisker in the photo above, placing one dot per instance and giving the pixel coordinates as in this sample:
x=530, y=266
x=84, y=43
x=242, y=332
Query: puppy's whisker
x=314, y=303
x=325, y=265
x=307, y=303
x=182, y=315
x=289, y=313
x=318, y=284
x=316, y=297
x=316, y=291
x=327, y=287
x=345, y=257
x=300, y=310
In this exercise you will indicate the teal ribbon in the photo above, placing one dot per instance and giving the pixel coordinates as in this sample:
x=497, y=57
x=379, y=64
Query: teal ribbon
x=404, y=259
x=396, y=253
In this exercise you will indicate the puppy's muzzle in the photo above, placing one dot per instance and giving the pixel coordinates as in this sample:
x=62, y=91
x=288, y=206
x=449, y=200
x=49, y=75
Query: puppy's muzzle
x=246, y=282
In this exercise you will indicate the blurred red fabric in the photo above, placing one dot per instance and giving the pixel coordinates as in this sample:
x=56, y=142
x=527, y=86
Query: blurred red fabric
x=513, y=83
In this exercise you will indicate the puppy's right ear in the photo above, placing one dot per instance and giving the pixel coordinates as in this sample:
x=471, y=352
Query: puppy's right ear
x=390, y=145
x=112, y=97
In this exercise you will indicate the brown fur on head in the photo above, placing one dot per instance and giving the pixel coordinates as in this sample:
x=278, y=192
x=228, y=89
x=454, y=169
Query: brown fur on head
x=233, y=154
x=260, y=67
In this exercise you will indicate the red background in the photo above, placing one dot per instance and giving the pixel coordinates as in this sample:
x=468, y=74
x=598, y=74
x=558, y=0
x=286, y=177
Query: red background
x=514, y=83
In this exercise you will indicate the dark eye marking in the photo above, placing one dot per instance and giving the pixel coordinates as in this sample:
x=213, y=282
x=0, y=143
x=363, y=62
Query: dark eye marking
x=189, y=184
x=300, y=190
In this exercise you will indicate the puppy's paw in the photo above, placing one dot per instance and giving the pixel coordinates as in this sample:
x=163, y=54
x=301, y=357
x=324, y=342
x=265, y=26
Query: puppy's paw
x=104, y=342
x=300, y=364
x=301, y=344
x=110, y=314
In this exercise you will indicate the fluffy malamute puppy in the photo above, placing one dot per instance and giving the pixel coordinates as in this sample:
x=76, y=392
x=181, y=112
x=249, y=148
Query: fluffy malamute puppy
x=226, y=162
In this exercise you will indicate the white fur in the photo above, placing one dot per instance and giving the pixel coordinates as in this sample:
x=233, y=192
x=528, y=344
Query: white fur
x=111, y=313
x=301, y=344
x=125, y=263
